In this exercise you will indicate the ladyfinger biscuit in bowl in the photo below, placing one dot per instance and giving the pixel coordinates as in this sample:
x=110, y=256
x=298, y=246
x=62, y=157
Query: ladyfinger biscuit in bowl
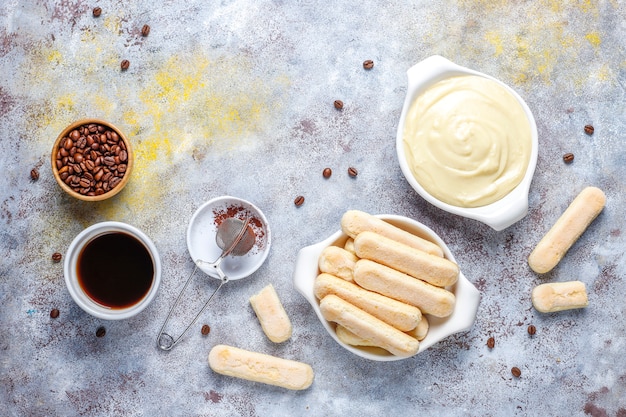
x=259, y=367
x=430, y=299
x=567, y=229
x=559, y=296
x=354, y=222
x=421, y=330
x=400, y=315
x=271, y=314
x=430, y=268
x=368, y=327
x=337, y=261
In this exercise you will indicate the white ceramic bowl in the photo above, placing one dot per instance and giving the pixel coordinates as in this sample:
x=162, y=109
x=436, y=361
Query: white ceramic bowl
x=467, y=296
x=71, y=275
x=202, y=230
x=500, y=214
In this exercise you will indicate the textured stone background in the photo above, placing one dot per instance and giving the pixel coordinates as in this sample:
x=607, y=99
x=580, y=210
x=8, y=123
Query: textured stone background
x=235, y=97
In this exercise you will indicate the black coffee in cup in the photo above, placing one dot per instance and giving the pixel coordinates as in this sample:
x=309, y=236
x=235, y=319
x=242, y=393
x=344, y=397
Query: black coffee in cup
x=115, y=270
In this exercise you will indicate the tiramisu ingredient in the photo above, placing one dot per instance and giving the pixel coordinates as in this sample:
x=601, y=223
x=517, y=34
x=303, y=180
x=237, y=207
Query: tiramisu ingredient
x=532, y=330
x=125, y=64
x=97, y=11
x=568, y=158
x=337, y=261
x=559, y=296
x=567, y=229
x=589, y=129
x=205, y=330
x=516, y=372
x=54, y=313
x=56, y=257
x=327, y=172
x=338, y=104
x=101, y=331
x=491, y=342
x=271, y=314
x=145, y=30
x=368, y=64
x=352, y=172
x=298, y=201
x=34, y=174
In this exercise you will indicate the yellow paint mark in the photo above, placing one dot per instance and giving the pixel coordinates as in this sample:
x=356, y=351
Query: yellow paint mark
x=495, y=40
x=594, y=39
x=113, y=23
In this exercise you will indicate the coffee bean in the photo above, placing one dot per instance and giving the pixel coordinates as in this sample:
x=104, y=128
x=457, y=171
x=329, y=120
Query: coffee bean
x=54, y=313
x=353, y=172
x=34, y=174
x=589, y=129
x=338, y=104
x=97, y=11
x=532, y=330
x=491, y=342
x=205, y=329
x=327, y=172
x=145, y=30
x=368, y=64
x=101, y=331
x=125, y=64
x=568, y=158
x=516, y=372
x=114, y=182
x=298, y=201
x=56, y=257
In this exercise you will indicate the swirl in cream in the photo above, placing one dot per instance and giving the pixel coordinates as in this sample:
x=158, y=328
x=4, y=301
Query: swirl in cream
x=467, y=141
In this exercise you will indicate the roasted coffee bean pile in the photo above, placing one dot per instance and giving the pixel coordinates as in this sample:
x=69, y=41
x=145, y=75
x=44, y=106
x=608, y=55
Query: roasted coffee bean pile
x=92, y=159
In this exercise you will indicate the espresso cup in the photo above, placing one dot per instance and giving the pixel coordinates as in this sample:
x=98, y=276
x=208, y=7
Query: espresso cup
x=112, y=270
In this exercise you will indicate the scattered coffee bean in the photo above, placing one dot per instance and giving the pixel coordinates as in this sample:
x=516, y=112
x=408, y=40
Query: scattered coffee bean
x=327, y=172
x=54, y=313
x=532, y=330
x=34, y=174
x=589, y=129
x=101, y=331
x=125, y=64
x=92, y=159
x=568, y=158
x=491, y=342
x=97, y=11
x=368, y=64
x=145, y=30
x=338, y=104
x=516, y=372
x=56, y=257
x=205, y=329
x=353, y=172
x=298, y=201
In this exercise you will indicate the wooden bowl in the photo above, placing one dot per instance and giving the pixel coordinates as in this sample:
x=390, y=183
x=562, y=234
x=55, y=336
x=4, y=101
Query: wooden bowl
x=94, y=194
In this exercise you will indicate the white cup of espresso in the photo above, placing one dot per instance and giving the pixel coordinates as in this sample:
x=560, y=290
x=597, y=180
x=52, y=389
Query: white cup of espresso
x=112, y=270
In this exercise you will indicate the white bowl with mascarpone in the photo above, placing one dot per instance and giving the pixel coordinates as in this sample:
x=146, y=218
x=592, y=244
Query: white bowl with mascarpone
x=467, y=143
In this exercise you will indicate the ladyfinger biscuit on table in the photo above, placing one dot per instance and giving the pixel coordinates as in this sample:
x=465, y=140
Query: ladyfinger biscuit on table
x=567, y=229
x=430, y=268
x=394, y=284
x=337, y=261
x=367, y=326
x=559, y=296
x=259, y=367
x=271, y=314
x=400, y=315
x=354, y=222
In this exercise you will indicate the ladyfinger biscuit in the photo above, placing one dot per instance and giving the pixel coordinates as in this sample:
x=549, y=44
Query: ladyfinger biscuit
x=568, y=228
x=338, y=262
x=367, y=326
x=354, y=222
x=559, y=296
x=421, y=330
x=400, y=315
x=349, y=245
x=271, y=314
x=259, y=367
x=430, y=268
x=394, y=284
x=349, y=338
